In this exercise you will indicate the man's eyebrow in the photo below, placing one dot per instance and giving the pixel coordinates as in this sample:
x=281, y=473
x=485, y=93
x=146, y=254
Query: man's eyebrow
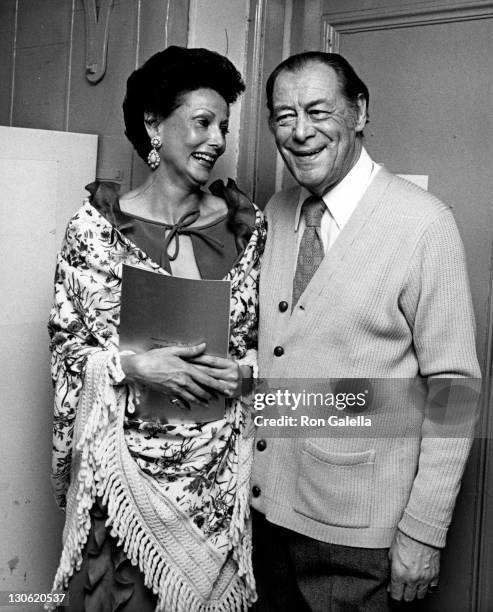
x=308, y=104
x=282, y=107
x=318, y=101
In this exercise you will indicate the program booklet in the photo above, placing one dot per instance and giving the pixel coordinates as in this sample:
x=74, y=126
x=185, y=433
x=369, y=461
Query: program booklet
x=158, y=310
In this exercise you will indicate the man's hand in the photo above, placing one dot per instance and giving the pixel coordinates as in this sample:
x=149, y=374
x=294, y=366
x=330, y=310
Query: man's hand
x=414, y=568
x=171, y=370
x=226, y=371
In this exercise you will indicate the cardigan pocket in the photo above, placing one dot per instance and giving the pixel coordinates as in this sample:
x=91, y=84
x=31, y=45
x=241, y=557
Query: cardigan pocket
x=335, y=488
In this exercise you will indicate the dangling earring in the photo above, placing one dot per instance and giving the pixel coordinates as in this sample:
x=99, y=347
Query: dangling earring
x=153, y=158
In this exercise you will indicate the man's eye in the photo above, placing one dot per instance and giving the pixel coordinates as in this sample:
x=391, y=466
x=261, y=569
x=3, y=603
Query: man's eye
x=224, y=129
x=286, y=119
x=319, y=114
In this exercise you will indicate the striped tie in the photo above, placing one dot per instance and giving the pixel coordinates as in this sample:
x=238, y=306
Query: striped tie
x=311, y=250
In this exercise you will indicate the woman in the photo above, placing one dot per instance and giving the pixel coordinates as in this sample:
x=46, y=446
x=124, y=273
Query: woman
x=171, y=498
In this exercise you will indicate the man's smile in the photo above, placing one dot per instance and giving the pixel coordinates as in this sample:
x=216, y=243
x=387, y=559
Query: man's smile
x=311, y=154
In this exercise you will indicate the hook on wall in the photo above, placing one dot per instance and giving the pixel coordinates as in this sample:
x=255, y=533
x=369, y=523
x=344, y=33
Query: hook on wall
x=97, y=32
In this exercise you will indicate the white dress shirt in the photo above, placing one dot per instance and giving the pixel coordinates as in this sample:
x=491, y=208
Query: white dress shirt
x=340, y=201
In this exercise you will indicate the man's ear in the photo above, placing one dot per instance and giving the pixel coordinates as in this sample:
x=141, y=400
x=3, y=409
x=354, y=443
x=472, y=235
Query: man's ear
x=362, y=114
x=271, y=124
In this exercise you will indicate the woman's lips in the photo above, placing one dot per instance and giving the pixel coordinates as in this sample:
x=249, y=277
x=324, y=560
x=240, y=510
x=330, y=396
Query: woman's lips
x=205, y=159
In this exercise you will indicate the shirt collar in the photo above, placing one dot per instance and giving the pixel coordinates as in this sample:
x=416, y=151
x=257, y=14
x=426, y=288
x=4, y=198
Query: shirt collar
x=342, y=199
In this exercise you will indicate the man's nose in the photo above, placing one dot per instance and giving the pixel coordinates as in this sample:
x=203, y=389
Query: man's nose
x=303, y=128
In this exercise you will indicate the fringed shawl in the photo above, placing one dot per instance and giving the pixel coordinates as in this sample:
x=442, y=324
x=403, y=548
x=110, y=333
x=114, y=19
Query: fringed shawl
x=178, y=562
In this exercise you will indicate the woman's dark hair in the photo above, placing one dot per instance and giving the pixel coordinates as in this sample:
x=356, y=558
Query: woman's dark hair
x=352, y=87
x=156, y=87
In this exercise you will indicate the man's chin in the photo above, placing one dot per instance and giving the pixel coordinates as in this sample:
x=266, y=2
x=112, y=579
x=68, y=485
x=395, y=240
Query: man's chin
x=310, y=183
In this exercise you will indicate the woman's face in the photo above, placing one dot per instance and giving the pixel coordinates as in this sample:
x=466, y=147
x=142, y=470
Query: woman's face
x=193, y=137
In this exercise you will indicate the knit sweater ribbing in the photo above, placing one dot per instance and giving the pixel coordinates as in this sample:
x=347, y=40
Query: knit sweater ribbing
x=390, y=300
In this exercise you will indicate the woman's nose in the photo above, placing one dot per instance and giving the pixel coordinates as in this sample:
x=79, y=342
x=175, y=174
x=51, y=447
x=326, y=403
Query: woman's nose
x=217, y=138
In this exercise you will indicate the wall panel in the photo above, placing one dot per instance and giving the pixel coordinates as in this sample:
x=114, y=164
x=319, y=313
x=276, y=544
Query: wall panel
x=41, y=178
x=40, y=87
x=7, y=37
x=41, y=64
x=48, y=77
x=258, y=163
x=96, y=108
x=278, y=28
x=43, y=23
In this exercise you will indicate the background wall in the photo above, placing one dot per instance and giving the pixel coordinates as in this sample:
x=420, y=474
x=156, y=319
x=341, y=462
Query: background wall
x=227, y=35
x=42, y=177
x=43, y=74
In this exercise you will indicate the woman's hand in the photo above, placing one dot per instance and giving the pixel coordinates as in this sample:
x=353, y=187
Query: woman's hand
x=174, y=370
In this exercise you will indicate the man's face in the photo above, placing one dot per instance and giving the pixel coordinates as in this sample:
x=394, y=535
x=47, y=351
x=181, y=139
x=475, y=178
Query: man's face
x=314, y=126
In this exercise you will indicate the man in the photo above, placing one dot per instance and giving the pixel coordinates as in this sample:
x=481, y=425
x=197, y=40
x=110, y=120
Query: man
x=342, y=522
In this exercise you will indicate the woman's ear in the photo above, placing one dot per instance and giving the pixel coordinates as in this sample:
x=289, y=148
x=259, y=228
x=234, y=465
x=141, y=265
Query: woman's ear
x=151, y=122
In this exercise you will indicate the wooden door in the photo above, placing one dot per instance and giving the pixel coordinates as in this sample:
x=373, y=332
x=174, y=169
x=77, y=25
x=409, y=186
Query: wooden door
x=428, y=68
x=42, y=178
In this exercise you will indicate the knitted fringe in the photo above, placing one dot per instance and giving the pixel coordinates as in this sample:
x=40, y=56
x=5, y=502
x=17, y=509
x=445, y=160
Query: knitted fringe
x=99, y=473
x=83, y=492
x=240, y=536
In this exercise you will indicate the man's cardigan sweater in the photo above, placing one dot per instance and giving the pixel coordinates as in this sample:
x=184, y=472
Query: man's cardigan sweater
x=390, y=300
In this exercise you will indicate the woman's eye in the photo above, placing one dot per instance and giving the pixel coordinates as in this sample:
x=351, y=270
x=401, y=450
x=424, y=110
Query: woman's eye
x=203, y=122
x=224, y=130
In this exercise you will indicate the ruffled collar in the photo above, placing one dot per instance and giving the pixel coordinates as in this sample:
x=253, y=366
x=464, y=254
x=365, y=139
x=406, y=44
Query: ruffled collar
x=104, y=196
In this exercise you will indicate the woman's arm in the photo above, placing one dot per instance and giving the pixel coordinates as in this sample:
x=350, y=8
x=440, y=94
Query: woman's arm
x=73, y=338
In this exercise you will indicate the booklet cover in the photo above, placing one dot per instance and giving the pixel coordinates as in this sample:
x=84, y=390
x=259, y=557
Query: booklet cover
x=158, y=310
